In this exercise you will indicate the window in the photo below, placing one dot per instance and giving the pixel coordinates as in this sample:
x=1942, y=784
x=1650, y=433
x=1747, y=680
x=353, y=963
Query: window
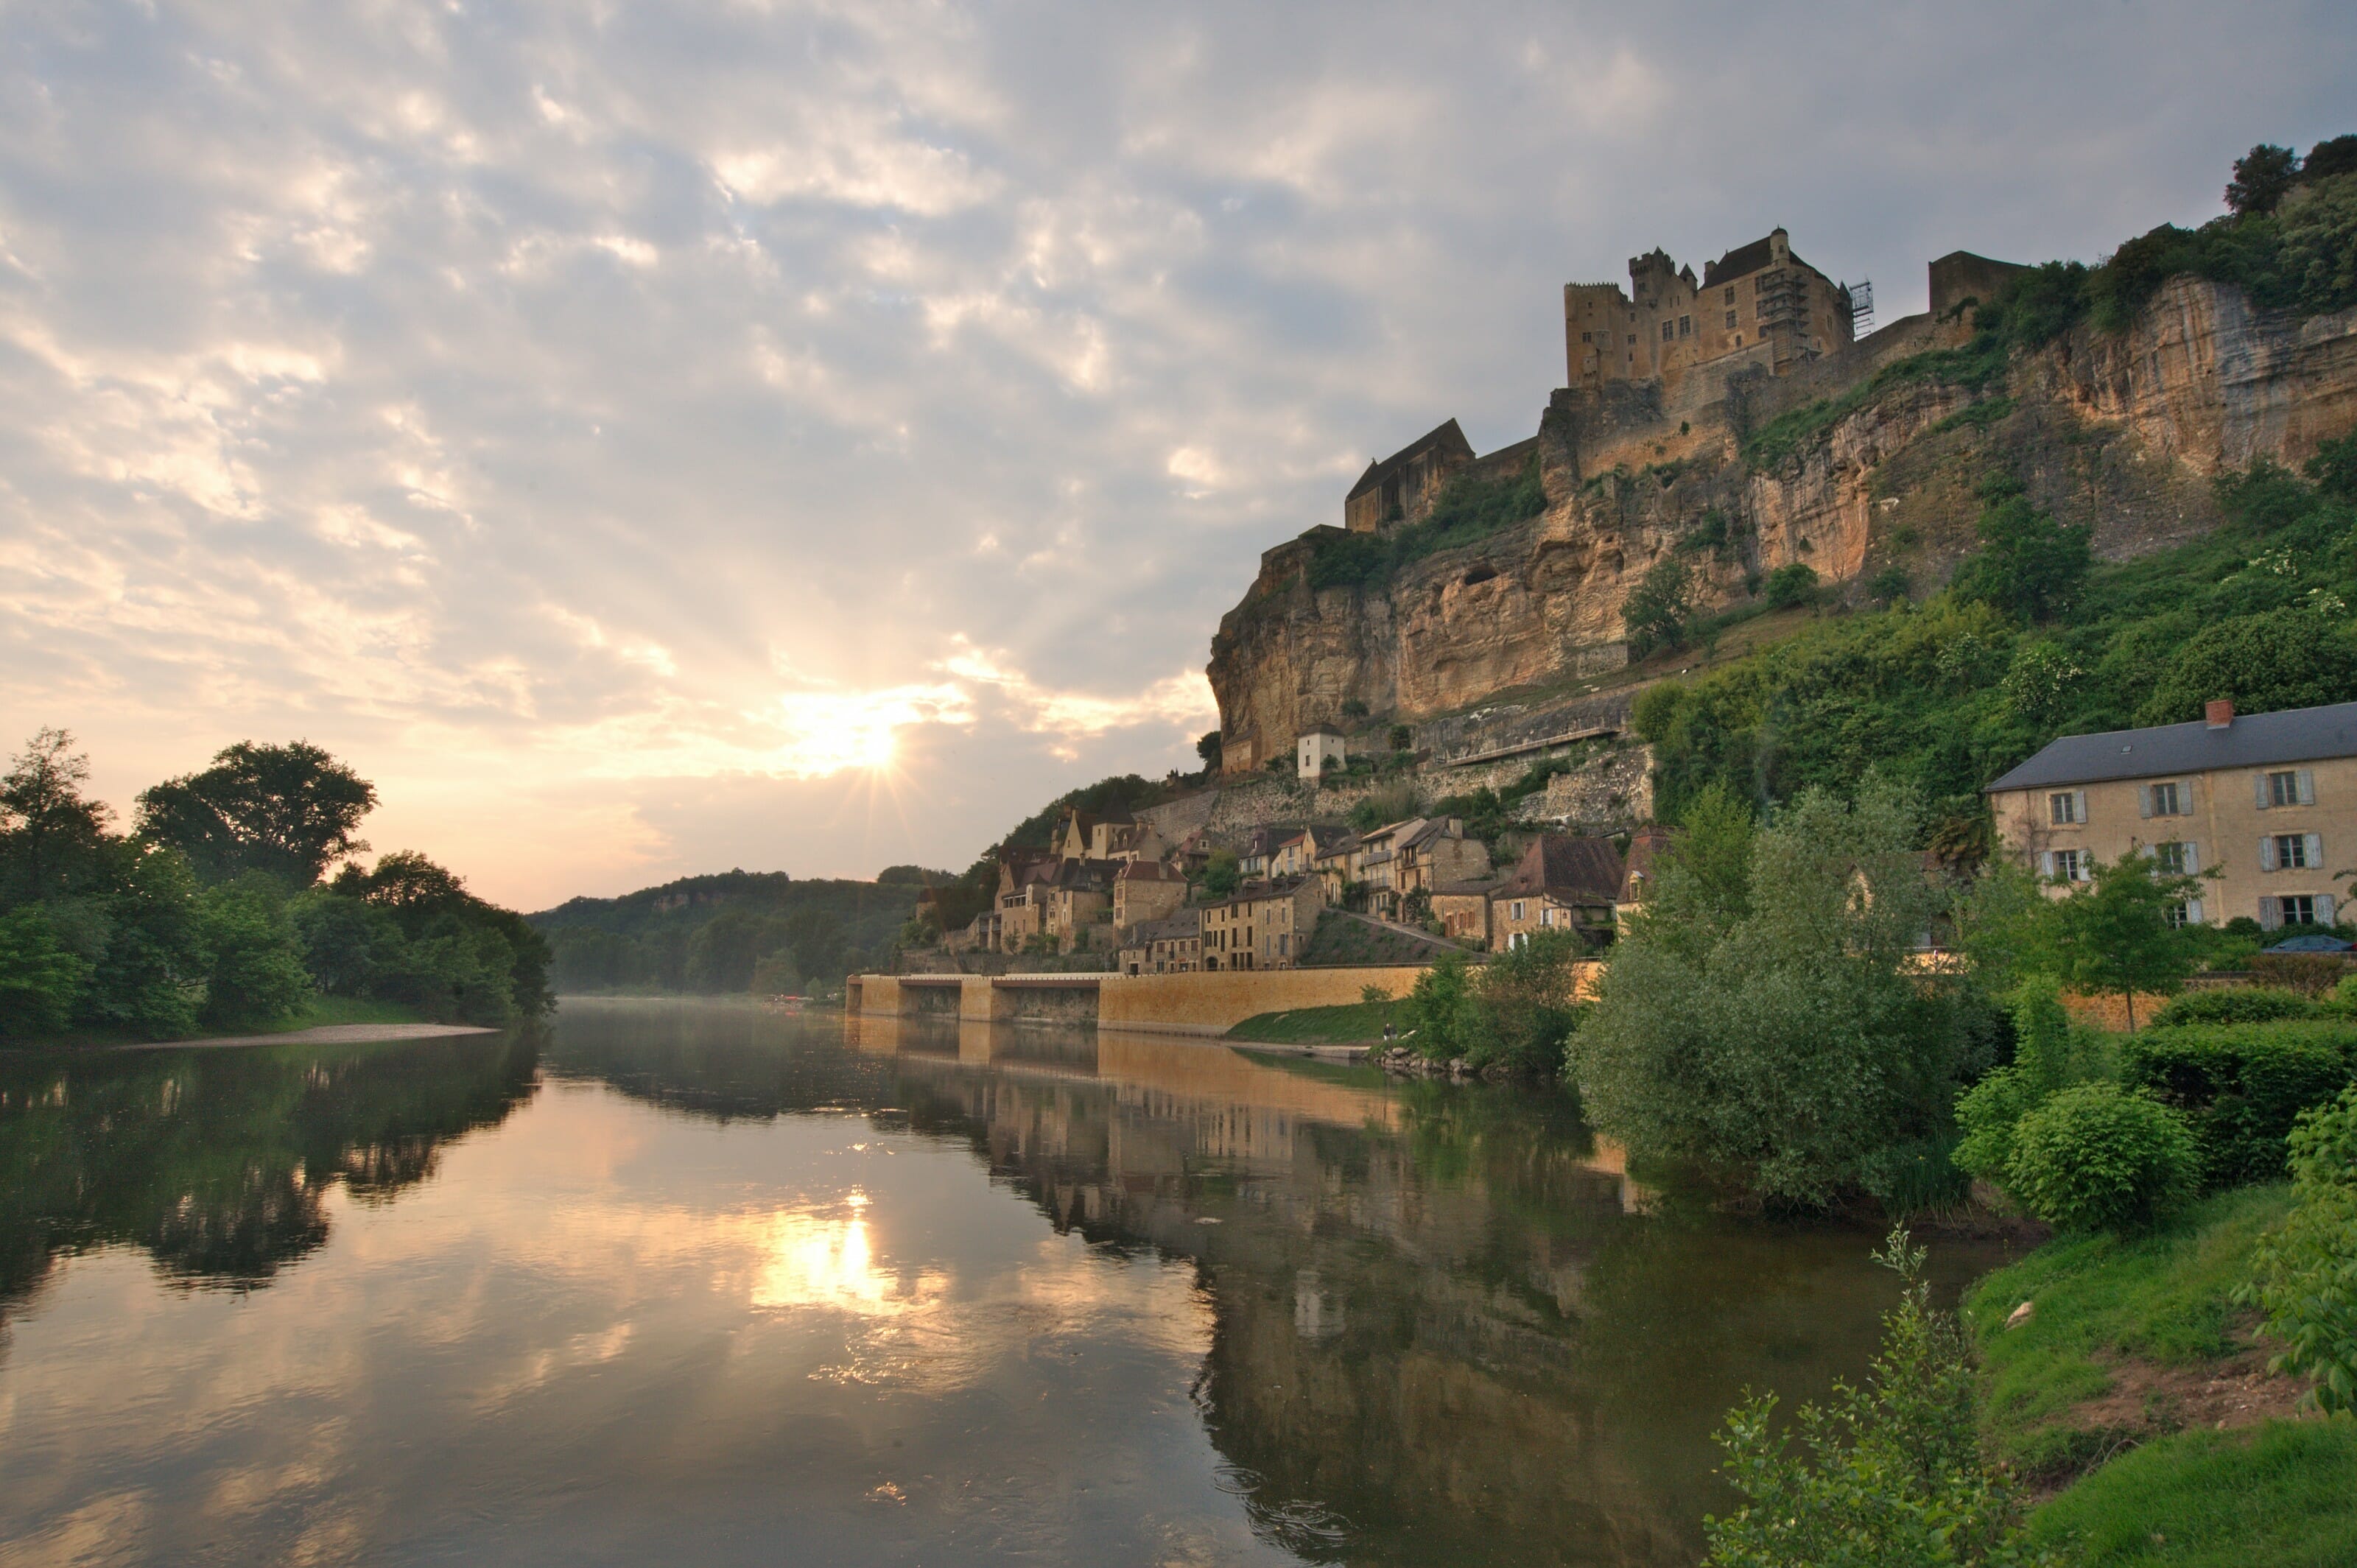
x=1685, y=325
x=2182, y=858
x=1632, y=339
x=2169, y=800
x=1730, y=319
x=1730, y=299
x=2067, y=808
x=2291, y=852
x=2297, y=909
x=1588, y=336
x=2292, y=786
x=1517, y=910
x=2185, y=913
x=2069, y=864
x=1669, y=330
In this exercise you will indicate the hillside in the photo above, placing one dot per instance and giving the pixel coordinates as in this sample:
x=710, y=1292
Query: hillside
x=2112, y=397
x=717, y=934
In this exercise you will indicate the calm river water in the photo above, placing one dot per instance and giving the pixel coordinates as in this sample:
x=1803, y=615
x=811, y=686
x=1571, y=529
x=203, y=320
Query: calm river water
x=694, y=1284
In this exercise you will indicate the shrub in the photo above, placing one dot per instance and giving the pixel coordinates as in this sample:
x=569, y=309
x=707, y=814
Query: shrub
x=2242, y=1005
x=2094, y=1158
x=1790, y=586
x=2240, y=1087
x=2310, y=974
x=38, y=979
x=255, y=975
x=2307, y=1268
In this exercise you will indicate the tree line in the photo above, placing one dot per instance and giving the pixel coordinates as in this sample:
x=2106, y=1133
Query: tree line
x=216, y=909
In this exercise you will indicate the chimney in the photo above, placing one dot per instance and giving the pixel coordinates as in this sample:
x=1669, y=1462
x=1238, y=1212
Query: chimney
x=2219, y=714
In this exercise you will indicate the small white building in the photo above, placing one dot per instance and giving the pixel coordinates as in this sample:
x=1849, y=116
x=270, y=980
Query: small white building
x=1315, y=746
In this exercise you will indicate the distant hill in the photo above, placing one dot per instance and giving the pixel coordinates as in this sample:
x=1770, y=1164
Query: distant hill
x=720, y=934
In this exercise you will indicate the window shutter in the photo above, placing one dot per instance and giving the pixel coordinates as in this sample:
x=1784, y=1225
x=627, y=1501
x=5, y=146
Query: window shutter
x=2045, y=862
x=2307, y=788
x=2193, y=911
x=2079, y=806
x=2190, y=858
x=2324, y=908
x=2315, y=855
x=2270, y=914
x=2260, y=779
x=2144, y=800
x=2267, y=853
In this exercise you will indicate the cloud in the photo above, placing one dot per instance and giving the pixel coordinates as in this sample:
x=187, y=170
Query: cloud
x=615, y=428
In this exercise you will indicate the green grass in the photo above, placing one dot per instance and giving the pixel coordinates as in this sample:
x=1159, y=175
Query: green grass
x=324, y=1011
x=2282, y=1494
x=2162, y=1298
x=1353, y=1024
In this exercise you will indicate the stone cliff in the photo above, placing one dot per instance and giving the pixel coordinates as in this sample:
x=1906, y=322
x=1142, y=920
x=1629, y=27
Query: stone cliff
x=1865, y=460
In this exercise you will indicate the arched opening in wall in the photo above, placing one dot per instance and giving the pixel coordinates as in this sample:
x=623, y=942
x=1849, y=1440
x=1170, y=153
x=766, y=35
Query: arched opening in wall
x=1479, y=575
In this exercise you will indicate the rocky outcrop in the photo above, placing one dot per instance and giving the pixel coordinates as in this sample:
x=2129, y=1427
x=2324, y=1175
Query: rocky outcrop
x=2122, y=433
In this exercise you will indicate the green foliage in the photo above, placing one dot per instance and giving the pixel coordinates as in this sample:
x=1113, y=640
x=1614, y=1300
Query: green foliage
x=424, y=941
x=2306, y=1274
x=2263, y=177
x=2278, y=1496
x=288, y=812
x=2051, y=1053
x=1221, y=872
x=1440, y=1010
x=2242, y=1086
x=821, y=929
x=1891, y=585
x=1393, y=802
x=1888, y=1476
x=1207, y=746
x=2111, y=933
x=52, y=841
x=1355, y=1023
x=1522, y=1013
x=39, y=980
x=1656, y=611
x=2164, y=1296
x=2029, y=565
x=2264, y=662
x=253, y=972
x=1764, y=1013
x=1790, y=586
x=1469, y=509
x=2234, y=1004
x=1976, y=367
x=2092, y=1158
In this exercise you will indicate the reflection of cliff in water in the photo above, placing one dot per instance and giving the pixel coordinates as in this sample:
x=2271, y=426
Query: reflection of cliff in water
x=219, y=1162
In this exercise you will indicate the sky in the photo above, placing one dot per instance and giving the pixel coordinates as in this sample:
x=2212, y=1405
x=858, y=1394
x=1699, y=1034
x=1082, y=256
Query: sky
x=653, y=438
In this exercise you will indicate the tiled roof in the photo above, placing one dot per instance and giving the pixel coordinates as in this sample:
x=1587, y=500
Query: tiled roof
x=1569, y=870
x=1743, y=260
x=1645, y=852
x=1444, y=434
x=2253, y=740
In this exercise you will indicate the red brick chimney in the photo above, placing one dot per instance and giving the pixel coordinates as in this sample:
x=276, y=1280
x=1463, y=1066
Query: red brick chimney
x=2220, y=714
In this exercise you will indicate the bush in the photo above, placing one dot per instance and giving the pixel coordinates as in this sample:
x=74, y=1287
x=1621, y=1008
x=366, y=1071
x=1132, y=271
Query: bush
x=254, y=974
x=2092, y=1158
x=1790, y=586
x=38, y=979
x=2306, y=1272
x=2240, y=1087
x=2242, y=1005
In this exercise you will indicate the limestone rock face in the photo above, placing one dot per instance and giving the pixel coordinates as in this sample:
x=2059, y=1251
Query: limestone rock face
x=2119, y=432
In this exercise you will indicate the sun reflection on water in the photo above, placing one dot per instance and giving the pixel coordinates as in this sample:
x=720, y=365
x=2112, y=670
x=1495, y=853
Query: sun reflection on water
x=819, y=1259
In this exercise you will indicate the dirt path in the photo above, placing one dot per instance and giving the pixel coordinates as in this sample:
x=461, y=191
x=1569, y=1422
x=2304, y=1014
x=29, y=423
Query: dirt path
x=325, y=1035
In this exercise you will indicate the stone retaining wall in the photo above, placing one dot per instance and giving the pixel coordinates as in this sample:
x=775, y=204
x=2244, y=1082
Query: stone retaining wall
x=1214, y=1003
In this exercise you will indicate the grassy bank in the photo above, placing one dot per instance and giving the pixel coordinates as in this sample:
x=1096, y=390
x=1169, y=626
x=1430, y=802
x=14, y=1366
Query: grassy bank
x=2137, y=1385
x=320, y=1011
x=1354, y=1024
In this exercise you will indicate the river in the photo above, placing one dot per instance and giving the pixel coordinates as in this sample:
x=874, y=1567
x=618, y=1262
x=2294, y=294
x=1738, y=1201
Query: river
x=701, y=1283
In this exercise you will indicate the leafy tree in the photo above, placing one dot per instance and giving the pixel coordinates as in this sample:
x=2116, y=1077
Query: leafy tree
x=1208, y=748
x=1890, y=1475
x=1790, y=586
x=2049, y=1055
x=1522, y=1011
x=51, y=839
x=39, y=980
x=1221, y=873
x=253, y=972
x=458, y=956
x=2334, y=467
x=2027, y=566
x=1656, y=612
x=1775, y=1023
x=147, y=965
x=1402, y=737
x=1440, y=1009
x=289, y=810
x=1891, y=585
x=2263, y=177
x=2113, y=934
x=2092, y=1158
x=2305, y=1270
x=2263, y=663
x=2328, y=158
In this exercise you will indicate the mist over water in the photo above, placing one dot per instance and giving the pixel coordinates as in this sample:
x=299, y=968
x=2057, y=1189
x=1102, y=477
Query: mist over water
x=701, y=1283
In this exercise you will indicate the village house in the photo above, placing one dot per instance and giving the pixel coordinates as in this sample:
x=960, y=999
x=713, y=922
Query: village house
x=1174, y=946
x=1433, y=853
x=1463, y=909
x=1561, y=883
x=1646, y=847
x=1333, y=857
x=1145, y=890
x=1319, y=748
x=1257, y=856
x=1056, y=900
x=1262, y=926
x=2268, y=802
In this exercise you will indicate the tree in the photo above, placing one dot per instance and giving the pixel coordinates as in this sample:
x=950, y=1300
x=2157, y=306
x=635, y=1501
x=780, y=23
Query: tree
x=1655, y=613
x=1790, y=586
x=1221, y=873
x=1402, y=737
x=39, y=980
x=254, y=971
x=2263, y=177
x=1208, y=748
x=2027, y=566
x=2334, y=466
x=2263, y=663
x=290, y=810
x=2113, y=934
x=1891, y=1476
x=1768, y=1016
x=2305, y=1270
x=50, y=837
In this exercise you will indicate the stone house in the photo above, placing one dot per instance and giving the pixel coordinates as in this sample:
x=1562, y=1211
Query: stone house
x=1645, y=849
x=1759, y=305
x=1172, y=946
x=1062, y=901
x=1436, y=852
x=1263, y=925
x=1257, y=856
x=2267, y=802
x=1318, y=748
x=1463, y=909
x=1145, y=890
x=1333, y=857
x=1401, y=489
x=1561, y=883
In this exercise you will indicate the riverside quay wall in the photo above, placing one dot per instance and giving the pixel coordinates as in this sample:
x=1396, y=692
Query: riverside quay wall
x=1165, y=1004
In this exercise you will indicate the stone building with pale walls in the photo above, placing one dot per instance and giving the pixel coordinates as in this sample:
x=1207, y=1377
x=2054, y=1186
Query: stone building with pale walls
x=1264, y=925
x=1145, y=891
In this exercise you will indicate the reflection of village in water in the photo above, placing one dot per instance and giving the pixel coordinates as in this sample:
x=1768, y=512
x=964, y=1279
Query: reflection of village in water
x=1444, y=1326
